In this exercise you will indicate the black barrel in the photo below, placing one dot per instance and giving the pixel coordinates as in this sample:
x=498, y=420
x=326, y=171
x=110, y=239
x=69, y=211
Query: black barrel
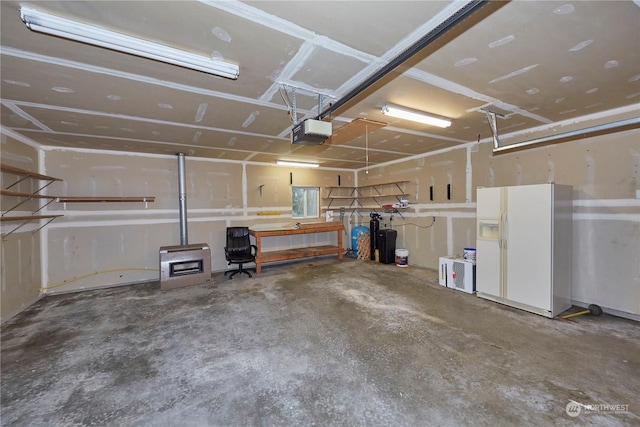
x=387, y=245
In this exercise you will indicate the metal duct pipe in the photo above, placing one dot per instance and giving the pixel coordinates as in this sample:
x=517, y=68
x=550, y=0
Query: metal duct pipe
x=612, y=127
x=182, y=195
x=460, y=15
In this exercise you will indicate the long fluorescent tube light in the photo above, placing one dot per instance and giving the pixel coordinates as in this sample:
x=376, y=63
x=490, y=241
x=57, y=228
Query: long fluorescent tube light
x=416, y=116
x=42, y=22
x=296, y=164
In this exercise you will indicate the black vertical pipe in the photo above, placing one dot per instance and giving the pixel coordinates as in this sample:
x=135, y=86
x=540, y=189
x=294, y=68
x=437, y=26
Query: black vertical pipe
x=374, y=225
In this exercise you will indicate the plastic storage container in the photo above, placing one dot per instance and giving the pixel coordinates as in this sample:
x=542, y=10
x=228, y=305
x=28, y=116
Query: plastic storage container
x=469, y=254
x=360, y=231
x=402, y=257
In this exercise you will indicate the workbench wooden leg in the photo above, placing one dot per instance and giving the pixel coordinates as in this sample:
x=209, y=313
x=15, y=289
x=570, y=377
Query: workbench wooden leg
x=258, y=252
x=341, y=253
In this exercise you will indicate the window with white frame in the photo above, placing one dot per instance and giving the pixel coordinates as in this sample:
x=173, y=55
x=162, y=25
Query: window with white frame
x=305, y=202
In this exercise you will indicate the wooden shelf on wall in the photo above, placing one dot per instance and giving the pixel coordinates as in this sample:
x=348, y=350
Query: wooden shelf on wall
x=365, y=197
x=359, y=187
x=91, y=199
x=5, y=192
x=27, y=217
x=26, y=173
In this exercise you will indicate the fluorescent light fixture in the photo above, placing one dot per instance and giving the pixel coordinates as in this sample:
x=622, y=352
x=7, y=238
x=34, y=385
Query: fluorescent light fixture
x=416, y=116
x=43, y=22
x=296, y=164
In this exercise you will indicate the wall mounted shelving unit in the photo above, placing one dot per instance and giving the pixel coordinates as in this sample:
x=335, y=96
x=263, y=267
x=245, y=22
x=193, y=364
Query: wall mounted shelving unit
x=24, y=197
x=24, y=175
x=370, y=197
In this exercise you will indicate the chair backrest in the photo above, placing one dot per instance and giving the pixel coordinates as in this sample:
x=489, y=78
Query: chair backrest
x=238, y=242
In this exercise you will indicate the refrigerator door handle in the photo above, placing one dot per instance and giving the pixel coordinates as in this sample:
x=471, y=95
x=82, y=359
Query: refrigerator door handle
x=506, y=231
x=500, y=230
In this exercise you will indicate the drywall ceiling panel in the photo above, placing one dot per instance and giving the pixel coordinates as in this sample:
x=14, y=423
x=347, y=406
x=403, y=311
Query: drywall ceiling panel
x=327, y=70
x=538, y=62
x=380, y=156
x=401, y=144
x=105, y=143
x=74, y=122
x=259, y=63
x=378, y=28
x=354, y=129
x=309, y=156
x=162, y=147
x=415, y=93
x=327, y=151
x=327, y=162
x=389, y=139
x=141, y=17
x=562, y=66
x=324, y=149
x=162, y=103
x=14, y=118
x=75, y=89
x=90, y=125
x=464, y=111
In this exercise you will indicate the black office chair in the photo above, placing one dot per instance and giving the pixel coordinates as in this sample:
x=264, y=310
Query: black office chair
x=239, y=250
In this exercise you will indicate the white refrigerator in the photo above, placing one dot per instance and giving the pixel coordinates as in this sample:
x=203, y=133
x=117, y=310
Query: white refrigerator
x=523, y=247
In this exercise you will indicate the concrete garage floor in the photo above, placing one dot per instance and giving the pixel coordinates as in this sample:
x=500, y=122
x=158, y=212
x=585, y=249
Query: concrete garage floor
x=312, y=343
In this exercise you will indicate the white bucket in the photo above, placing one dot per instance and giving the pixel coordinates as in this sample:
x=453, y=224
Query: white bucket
x=469, y=254
x=402, y=257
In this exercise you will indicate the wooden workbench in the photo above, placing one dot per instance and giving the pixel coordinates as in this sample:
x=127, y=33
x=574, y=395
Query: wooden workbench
x=295, y=253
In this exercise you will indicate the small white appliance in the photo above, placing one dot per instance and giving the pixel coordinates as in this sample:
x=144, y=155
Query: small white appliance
x=457, y=273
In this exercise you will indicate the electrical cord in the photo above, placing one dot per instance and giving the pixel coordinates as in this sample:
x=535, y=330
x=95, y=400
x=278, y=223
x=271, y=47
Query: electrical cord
x=285, y=99
x=433, y=220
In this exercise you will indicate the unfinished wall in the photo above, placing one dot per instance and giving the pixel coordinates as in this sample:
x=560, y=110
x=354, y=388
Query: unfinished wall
x=604, y=173
x=426, y=229
x=20, y=251
x=104, y=244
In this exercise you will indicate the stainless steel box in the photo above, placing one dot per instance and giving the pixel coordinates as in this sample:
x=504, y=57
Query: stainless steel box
x=184, y=265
